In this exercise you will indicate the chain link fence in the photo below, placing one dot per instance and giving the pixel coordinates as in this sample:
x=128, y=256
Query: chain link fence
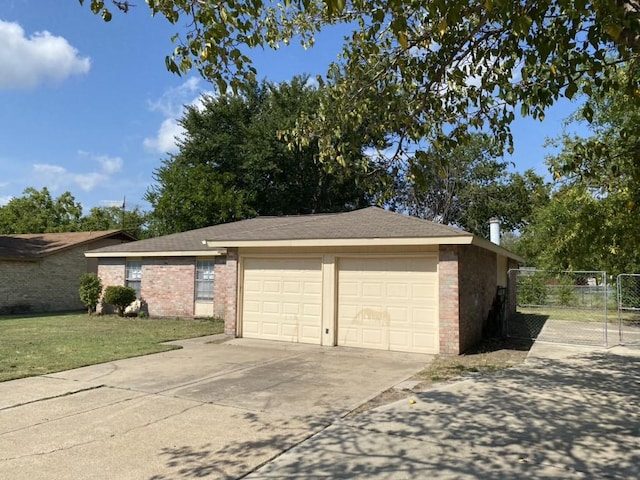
x=629, y=308
x=565, y=307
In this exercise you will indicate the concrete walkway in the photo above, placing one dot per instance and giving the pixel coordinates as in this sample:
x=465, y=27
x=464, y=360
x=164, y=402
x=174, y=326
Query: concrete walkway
x=568, y=412
x=205, y=411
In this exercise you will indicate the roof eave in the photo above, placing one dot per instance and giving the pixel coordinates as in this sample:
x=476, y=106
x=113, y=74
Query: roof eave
x=487, y=245
x=342, y=242
x=161, y=253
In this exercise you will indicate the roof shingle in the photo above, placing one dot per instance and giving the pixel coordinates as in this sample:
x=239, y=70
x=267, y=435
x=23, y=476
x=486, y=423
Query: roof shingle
x=33, y=246
x=372, y=222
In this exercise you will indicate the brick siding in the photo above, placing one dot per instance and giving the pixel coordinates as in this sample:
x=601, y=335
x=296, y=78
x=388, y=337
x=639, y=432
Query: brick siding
x=48, y=285
x=478, y=287
x=168, y=286
x=226, y=290
x=449, y=300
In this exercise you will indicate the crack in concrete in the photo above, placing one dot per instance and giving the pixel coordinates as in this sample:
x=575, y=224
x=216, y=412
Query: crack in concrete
x=65, y=394
x=113, y=435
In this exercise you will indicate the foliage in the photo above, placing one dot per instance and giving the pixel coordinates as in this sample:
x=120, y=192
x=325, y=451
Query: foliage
x=37, y=345
x=591, y=221
x=37, y=212
x=233, y=165
x=111, y=218
x=567, y=291
x=532, y=289
x=423, y=71
x=607, y=161
x=120, y=297
x=90, y=291
x=467, y=186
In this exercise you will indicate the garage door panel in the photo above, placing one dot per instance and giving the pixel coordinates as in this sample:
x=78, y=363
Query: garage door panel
x=388, y=303
x=282, y=299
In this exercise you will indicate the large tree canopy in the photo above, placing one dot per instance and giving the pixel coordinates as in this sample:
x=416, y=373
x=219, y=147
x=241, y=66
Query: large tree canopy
x=232, y=163
x=36, y=211
x=467, y=186
x=426, y=71
x=591, y=221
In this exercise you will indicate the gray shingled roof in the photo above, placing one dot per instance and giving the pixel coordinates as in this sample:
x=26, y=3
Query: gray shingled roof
x=372, y=222
x=32, y=246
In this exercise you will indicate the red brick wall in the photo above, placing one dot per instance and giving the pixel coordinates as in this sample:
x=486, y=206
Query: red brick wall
x=226, y=290
x=449, y=300
x=111, y=272
x=168, y=286
x=478, y=282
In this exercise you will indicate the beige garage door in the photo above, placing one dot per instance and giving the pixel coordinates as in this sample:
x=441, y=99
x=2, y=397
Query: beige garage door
x=282, y=299
x=388, y=303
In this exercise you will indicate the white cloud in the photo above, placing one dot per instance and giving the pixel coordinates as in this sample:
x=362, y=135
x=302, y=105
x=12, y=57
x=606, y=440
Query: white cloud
x=111, y=203
x=167, y=137
x=29, y=61
x=56, y=177
x=4, y=200
x=171, y=104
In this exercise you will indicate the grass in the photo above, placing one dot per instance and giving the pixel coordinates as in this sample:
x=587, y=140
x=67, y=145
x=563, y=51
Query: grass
x=489, y=356
x=36, y=345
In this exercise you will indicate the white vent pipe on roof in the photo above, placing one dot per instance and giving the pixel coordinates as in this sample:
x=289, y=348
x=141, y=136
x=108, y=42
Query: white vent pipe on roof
x=494, y=230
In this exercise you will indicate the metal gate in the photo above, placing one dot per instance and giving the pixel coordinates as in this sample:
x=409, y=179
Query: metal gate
x=564, y=307
x=629, y=308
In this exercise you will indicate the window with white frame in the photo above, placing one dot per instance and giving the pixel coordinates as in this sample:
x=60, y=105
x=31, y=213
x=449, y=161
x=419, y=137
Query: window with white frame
x=204, y=279
x=133, y=275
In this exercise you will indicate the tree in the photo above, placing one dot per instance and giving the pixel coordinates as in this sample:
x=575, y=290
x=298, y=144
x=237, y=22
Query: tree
x=233, y=163
x=90, y=291
x=37, y=212
x=609, y=159
x=591, y=220
x=423, y=71
x=111, y=218
x=467, y=186
x=579, y=230
x=120, y=297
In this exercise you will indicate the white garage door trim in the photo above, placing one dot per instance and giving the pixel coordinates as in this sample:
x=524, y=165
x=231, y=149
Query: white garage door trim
x=388, y=303
x=282, y=298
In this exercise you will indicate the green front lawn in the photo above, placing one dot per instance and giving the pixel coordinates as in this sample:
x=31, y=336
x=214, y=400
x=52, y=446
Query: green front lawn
x=31, y=345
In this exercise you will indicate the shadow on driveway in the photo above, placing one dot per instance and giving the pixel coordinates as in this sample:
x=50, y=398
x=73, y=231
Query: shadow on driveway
x=577, y=417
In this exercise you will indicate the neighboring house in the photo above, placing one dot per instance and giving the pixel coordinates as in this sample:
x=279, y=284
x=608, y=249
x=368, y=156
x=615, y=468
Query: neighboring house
x=367, y=278
x=41, y=272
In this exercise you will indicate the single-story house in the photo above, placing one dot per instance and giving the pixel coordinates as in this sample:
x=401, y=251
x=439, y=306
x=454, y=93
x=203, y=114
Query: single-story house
x=41, y=272
x=366, y=278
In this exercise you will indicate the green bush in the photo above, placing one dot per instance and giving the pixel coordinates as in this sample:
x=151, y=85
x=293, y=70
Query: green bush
x=120, y=297
x=532, y=289
x=90, y=291
x=567, y=291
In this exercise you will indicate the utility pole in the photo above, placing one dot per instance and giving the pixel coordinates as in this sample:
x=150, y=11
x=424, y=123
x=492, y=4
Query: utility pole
x=124, y=200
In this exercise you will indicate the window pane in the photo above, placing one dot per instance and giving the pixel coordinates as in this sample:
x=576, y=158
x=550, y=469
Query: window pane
x=133, y=275
x=205, y=279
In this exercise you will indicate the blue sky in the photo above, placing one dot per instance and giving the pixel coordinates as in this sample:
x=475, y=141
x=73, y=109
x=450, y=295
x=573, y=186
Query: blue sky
x=88, y=107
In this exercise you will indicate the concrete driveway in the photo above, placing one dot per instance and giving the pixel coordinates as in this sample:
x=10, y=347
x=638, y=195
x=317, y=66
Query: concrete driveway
x=205, y=411
x=567, y=413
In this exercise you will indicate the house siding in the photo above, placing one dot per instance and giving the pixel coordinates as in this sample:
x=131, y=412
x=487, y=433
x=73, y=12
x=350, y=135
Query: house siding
x=449, y=301
x=48, y=285
x=168, y=286
x=478, y=287
x=226, y=291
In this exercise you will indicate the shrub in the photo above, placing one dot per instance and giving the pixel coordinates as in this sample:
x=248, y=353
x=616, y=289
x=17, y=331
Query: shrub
x=90, y=291
x=567, y=292
x=120, y=297
x=532, y=289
